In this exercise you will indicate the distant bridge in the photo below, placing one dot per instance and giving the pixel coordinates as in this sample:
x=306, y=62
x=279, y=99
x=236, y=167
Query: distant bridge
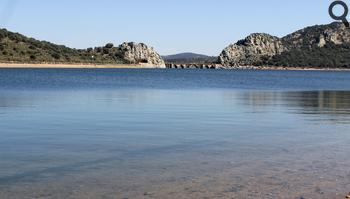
x=193, y=66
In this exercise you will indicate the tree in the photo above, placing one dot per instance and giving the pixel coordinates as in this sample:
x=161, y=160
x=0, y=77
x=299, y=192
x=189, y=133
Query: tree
x=109, y=45
x=56, y=56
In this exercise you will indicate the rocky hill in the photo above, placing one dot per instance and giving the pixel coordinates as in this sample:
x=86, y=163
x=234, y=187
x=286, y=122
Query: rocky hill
x=316, y=46
x=18, y=48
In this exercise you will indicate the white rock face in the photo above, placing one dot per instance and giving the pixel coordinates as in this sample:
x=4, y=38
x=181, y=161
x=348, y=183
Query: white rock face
x=335, y=33
x=139, y=53
x=251, y=50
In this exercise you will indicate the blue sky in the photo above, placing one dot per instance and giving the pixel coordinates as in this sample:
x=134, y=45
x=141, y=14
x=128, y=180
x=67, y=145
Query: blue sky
x=170, y=26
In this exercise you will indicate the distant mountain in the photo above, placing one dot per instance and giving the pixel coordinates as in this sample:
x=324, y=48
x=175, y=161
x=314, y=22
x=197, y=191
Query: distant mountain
x=189, y=57
x=186, y=55
x=15, y=47
x=316, y=46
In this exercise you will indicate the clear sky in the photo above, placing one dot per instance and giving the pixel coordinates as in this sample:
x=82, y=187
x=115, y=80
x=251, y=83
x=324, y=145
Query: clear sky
x=170, y=26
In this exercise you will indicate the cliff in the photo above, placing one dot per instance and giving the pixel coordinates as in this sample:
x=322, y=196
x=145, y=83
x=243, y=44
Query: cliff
x=251, y=50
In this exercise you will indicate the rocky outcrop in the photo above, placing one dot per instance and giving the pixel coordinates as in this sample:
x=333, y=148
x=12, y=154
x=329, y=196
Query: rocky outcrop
x=318, y=43
x=250, y=50
x=318, y=36
x=141, y=54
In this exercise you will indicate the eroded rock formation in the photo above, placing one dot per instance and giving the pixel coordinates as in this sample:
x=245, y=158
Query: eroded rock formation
x=140, y=53
x=250, y=50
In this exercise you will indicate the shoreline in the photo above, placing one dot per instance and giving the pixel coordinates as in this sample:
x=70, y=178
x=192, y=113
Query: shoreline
x=145, y=66
x=70, y=66
x=287, y=68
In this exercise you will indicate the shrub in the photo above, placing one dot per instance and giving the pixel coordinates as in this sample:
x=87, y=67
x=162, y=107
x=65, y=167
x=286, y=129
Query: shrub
x=56, y=56
x=105, y=51
x=98, y=49
x=109, y=45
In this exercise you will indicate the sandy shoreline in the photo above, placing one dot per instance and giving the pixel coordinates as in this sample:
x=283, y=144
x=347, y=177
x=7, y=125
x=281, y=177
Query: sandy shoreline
x=15, y=65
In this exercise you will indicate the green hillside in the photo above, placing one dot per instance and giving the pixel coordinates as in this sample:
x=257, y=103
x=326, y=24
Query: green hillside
x=15, y=47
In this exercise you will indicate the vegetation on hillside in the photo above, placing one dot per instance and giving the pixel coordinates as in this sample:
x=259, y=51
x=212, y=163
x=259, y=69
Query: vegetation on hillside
x=329, y=56
x=15, y=47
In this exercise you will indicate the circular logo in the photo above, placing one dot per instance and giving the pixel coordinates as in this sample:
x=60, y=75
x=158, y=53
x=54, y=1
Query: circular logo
x=341, y=17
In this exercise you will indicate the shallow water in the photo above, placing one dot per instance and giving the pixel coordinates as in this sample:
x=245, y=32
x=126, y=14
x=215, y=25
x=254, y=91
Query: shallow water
x=119, y=133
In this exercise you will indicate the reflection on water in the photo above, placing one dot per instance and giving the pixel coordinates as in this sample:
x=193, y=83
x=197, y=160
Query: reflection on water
x=324, y=101
x=332, y=104
x=320, y=100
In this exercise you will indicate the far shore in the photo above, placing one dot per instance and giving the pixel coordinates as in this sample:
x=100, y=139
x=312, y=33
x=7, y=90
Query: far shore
x=61, y=65
x=296, y=68
x=145, y=66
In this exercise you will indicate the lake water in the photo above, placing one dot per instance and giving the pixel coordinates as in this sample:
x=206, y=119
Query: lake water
x=130, y=133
